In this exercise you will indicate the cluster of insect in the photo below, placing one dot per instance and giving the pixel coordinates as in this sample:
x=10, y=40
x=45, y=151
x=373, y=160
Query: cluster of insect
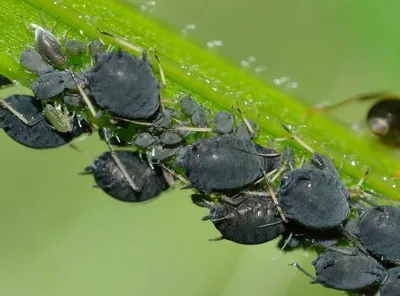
x=215, y=156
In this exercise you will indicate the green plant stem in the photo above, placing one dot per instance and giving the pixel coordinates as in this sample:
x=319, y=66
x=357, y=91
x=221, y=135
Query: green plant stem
x=211, y=80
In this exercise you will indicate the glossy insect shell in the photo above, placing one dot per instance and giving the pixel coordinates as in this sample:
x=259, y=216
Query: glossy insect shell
x=379, y=232
x=109, y=178
x=390, y=286
x=225, y=163
x=125, y=86
x=348, y=272
x=242, y=223
x=315, y=197
x=38, y=136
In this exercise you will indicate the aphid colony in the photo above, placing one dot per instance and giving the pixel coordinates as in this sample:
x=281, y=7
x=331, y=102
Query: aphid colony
x=230, y=174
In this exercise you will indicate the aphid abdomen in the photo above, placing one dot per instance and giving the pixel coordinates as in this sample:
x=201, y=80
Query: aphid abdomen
x=49, y=47
x=222, y=163
x=125, y=86
x=314, y=199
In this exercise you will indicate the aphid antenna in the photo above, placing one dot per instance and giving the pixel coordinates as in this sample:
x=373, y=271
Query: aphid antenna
x=217, y=239
x=132, y=121
x=160, y=68
x=168, y=178
x=191, y=129
x=297, y=139
x=209, y=218
x=84, y=96
x=380, y=196
x=234, y=200
x=274, y=198
x=359, y=189
x=269, y=174
x=306, y=273
x=88, y=155
x=122, y=41
x=172, y=172
x=358, y=98
x=287, y=241
x=21, y=117
x=118, y=162
x=245, y=120
x=270, y=224
x=277, y=173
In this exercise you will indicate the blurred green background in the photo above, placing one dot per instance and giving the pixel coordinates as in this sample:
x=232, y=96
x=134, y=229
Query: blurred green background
x=62, y=237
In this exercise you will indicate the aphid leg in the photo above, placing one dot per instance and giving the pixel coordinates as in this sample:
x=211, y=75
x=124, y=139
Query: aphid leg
x=246, y=122
x=210, y=218
x=118, y=162
x=173, y=173
x=234, y=200
x=274, y=198
x=28, y=26
x=287, y=241
x=168, y=178
x=160, y=68
x=192, y=129
x=84, y=96
x=270, y=224
x=200, y=201
x=306, y=273
x=357, y=190
x=217, y=239
x=42, y=18
x=287, y=164
x=29, y=122
x=358, y=98
x=89, y=156
x=121, y=41
x=53, y=27
x=337, y=249
x=297, y=139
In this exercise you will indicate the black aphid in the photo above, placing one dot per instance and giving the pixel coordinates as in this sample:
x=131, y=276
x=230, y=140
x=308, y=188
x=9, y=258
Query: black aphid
x=247, y=219
x=226, y=163
x=34, y=62
x=171, y=138
x=379, y=232
x=315, y=196
x=96, y=47
x=196, y=113
x=390, y=286
x=149, y=181
x=347, y=269
x=75, y=47
x=223, y=122
x=189, y=106
x=145, y=140
x=199, y=118
x=39, y=134
x=49, y=47
x=125, y=86
x=54, y=83
x=245, y=130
